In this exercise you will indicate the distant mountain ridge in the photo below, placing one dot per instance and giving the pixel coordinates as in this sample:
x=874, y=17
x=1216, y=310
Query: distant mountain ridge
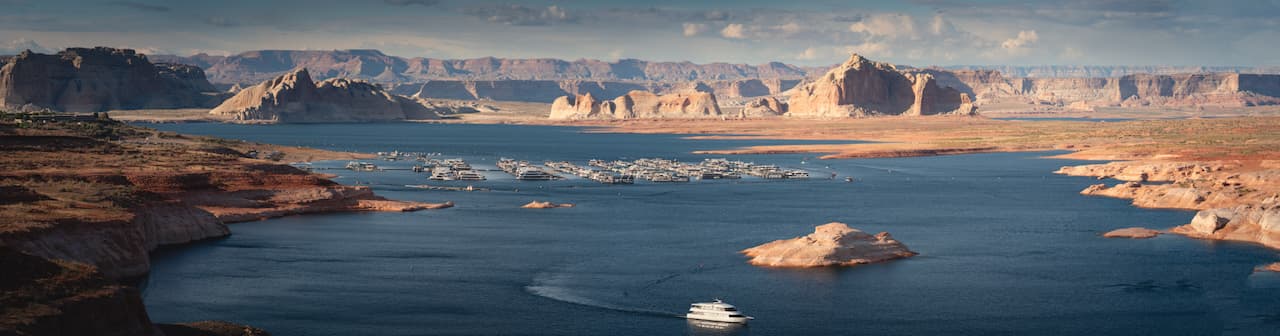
x=373, y=65
x=1108, y=71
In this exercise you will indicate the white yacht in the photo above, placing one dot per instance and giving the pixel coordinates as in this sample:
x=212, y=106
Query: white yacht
x=797, y=174
x=533, y=174
x=716, y=311
x=470, y=175
x=443, y=174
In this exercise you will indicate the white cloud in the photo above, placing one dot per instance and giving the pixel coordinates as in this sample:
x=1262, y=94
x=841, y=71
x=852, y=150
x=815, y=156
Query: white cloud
x=890, y=25
x=519, y=15
x=809, y=54
x=870, y=49
x=940, y=26
x=19, y=45
x=694, y=29
x=1025, y=39
x=734, y=31
x=789, y=28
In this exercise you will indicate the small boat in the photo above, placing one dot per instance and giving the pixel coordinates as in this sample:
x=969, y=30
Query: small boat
x=716, y=311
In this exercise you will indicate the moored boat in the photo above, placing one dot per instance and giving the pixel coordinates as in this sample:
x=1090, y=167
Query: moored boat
x=718, y=311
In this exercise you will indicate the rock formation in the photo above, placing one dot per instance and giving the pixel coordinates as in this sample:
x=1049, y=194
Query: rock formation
x=861, y=87
x=832, y=244
x=1272, y=267
x=100, y=79
x=295, y=98
x=763, y=107
x=1238, y=200
x=546, y=205
x=1133, y=233
x=1249, y=223
x=637, y=105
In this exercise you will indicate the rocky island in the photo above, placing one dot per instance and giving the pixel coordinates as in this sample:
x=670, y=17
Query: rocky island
x=1132, y=233
x=546, y=205
x=831, y=244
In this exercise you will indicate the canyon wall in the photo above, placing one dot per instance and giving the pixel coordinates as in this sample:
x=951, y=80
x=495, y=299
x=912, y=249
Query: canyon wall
x=100, y=79
x=861, y=87
x=1174, y=90
x=637, y=105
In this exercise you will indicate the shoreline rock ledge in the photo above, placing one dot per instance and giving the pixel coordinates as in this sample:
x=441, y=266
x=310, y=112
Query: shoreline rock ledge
x=831, y=244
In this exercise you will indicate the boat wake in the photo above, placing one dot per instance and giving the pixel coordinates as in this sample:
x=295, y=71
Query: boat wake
x=550, y=286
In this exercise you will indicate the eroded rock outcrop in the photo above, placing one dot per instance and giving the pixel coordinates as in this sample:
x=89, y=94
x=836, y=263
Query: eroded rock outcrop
x=1238, y=200
x=101, y=79
x=295, y=98
x=832, y=244
x=763, y=107
x=860, y=87
x=1249, y=223
x=637, y=105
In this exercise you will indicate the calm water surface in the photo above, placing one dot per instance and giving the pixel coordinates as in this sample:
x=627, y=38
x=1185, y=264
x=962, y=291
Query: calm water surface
x=1006, y=248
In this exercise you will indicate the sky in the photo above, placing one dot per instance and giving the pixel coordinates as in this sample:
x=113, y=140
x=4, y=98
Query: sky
x=913, y=32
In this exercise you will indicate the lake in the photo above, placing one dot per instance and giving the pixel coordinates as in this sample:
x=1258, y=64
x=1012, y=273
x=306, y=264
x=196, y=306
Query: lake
x=1006, y=247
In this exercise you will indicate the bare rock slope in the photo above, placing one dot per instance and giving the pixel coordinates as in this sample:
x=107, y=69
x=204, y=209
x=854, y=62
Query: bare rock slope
x=100, y=79
x=832, y=244
x=861, y=87
x=295, y=98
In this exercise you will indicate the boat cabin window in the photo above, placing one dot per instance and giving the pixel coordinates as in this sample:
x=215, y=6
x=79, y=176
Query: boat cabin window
x=731, y=309
x=735, y=315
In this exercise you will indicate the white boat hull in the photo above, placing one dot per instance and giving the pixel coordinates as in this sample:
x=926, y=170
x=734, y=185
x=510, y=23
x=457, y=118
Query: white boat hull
x=726, y=319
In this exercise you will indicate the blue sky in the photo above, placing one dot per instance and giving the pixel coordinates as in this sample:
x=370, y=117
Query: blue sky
x=916, y=32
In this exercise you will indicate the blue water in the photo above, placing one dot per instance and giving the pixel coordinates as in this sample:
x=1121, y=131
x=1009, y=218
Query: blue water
x=1005, y=247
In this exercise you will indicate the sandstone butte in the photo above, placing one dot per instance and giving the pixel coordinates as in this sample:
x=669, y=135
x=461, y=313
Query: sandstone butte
x=860, y=87
x=637, y=105
x=100, y=79
x=546, y=205
x=82, y=204
x=1235, y=202
x=295, y=98
x=832, y=244
x=1133, y=233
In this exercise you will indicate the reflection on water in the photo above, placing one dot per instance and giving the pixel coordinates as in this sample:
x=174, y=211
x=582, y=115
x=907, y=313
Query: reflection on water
x=713, y=328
